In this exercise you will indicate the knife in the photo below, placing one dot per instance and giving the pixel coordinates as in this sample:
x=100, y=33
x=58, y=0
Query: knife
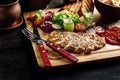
x=61, y=51
x=42, y=50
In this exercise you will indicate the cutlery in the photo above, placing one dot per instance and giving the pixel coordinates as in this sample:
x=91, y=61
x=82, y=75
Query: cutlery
x=61, y=51
x=43, y=52
x=56, y=48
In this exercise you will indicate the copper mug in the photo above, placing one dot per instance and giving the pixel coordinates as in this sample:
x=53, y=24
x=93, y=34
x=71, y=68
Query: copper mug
x=10, y=11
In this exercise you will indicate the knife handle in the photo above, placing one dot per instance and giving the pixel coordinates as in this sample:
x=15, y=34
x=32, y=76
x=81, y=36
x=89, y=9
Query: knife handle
x=62, y=52
x=44, y=55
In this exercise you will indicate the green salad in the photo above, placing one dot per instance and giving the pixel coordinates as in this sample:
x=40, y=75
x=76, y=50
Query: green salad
x=64, y=19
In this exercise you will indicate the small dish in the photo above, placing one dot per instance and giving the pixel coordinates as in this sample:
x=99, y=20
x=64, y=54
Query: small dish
x=16, y=24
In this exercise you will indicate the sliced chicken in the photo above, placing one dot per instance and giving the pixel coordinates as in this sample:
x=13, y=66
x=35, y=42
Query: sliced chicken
x=76, y=42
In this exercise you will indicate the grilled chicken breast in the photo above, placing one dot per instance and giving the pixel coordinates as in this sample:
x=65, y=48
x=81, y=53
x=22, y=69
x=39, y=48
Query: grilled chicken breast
x=76, y=42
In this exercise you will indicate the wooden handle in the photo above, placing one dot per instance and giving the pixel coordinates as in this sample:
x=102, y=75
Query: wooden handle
x=44, y=56
x=62, y=52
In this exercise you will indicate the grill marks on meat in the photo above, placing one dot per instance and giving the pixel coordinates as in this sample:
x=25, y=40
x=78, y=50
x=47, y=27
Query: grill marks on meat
x=76, y=42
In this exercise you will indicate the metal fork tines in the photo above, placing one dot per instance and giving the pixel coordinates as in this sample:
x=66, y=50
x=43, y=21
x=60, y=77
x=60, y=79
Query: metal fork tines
x=43, y=53
x=29, y=34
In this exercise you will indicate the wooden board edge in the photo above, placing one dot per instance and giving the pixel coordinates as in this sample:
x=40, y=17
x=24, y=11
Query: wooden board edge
x=82, y=59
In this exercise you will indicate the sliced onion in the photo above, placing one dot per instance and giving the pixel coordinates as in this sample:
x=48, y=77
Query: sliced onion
x=99, y=29
x=48, y=22
x=48, y=16
x=90, y=31
x=56, y=26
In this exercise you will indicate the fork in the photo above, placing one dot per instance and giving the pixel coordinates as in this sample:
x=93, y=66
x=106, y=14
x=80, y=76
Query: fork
x=61, y=51
x=43, y=53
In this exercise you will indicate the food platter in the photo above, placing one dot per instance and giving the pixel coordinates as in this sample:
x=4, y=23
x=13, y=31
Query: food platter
x=107, y=52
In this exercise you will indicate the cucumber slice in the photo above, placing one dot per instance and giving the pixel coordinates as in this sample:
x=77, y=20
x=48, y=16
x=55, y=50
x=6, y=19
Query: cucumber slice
x=68, y=24
x=88, y=18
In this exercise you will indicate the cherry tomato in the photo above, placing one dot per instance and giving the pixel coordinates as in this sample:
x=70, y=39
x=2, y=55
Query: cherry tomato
x=80, y=27
x=37, y=22
x=31, y=15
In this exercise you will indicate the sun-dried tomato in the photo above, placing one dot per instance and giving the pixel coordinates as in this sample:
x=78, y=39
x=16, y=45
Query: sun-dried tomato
x=112, y=36
x=112, y=41
x=115, y=29
x=118, y=38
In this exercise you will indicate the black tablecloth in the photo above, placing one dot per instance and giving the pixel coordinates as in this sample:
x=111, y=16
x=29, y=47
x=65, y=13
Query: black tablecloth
x=18, y=62
x=16, y=57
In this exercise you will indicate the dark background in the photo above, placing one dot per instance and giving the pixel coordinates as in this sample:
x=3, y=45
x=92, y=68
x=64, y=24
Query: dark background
x=17, y=62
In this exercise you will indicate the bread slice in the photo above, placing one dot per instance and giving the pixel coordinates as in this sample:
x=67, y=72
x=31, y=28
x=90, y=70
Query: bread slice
x=74, y=7
x=80, y=7
x=87, y=6
x=90, y=4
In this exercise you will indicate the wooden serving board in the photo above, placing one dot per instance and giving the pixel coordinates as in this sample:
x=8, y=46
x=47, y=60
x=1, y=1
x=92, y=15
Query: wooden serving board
x=108, y=52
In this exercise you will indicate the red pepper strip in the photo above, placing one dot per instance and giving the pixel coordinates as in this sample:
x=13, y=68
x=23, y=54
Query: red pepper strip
x=115, y=29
